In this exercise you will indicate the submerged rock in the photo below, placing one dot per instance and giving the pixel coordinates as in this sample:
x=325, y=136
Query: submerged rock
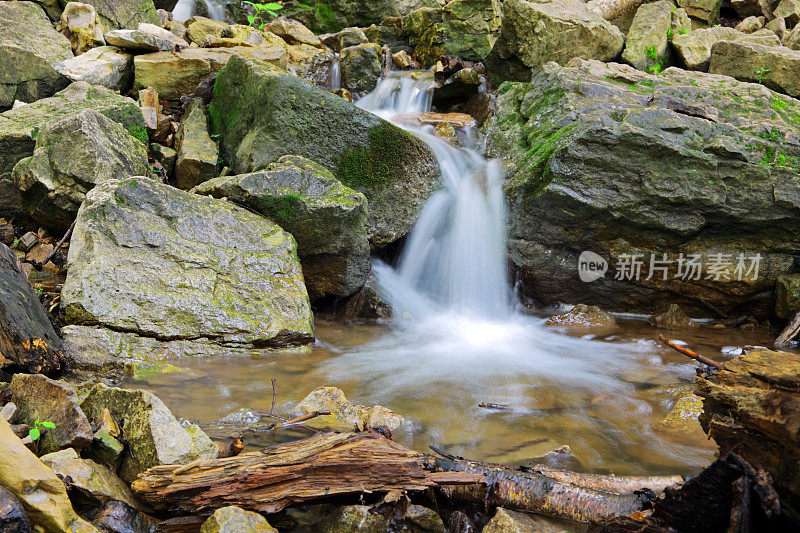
x=583, y=316
x=345, y=413
x=72, y=155
x=19, y=128
x=327, y=219
x=394, y=170
x=39, y=398
x=641, y=166
x=27, y=56
x=534, y=33
x=234, y=520
x=672, y=318
x=686, y=407
x=150, y=259
x=150, y=432
x=360, y=518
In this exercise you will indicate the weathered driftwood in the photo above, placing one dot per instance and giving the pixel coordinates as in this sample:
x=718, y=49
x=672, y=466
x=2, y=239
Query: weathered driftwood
x=28, y=340
x=611, y=9
x=339, y=464
x=752, y=407
x=789, y=332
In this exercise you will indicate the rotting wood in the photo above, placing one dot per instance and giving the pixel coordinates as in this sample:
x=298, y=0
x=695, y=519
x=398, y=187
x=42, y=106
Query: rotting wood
x=689, y=353
x=341, y=464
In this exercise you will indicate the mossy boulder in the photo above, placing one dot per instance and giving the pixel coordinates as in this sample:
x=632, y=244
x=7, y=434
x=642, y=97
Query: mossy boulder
x=605, y=158
x=20, y=127
x=29, y=49
x=150, y=432
x=72, y=155
x=330, y=16
x=158, y=262
x=533, y=33
x=361, y=67
x=124, y=14
x=685, y=408
x=327, y=219
x=261, y=115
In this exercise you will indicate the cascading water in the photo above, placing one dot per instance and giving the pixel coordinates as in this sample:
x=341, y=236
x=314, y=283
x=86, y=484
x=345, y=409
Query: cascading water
x=184, y=9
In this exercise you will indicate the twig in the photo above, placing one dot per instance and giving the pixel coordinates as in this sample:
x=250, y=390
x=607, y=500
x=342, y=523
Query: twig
x=299, y=420
x=60, y=243
x=497, y=406
x=789, y=332
x=274, y=395
x=688, y=353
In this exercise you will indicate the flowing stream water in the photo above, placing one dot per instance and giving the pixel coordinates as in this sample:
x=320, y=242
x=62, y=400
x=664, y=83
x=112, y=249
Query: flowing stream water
x=459, y=339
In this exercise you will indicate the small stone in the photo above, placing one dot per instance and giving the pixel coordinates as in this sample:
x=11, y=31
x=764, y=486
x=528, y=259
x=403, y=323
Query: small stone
x=105, y=449
x=81, y=26
x=197, y=157
x=583, y=316
x=40, y=398
x=293, y=32
x=27, y=242
x=672, y=318
x=751, y=24
x=345, y=413
x=402, y=60
x=236, y=520
x=164, y=155
x=39, y=253
x=344, y=93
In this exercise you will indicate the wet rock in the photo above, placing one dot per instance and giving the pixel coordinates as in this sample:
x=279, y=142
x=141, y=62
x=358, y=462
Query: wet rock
x=751, y=24
x=42, y=494
x=345, y=413
x=583, y=316
x=672, y=318
x=81, y=26
x=105, y=65
x=124, y=14
x=150, y=432
x=27, y=242
x=119, y=517
x=686, y=406
x=361, y=67
x=175, y=74
x=467, y=29
x=39, y=398
x=90, y=483
x=362, y=519
x=646, y=43
x=787, y=295
x=534, y=33
x=402, y=60
x=293, y=32
x=197, y=154
x=234, y=519
x=12, y=516
x=712, y=127
x=506, y=521
x=327, y=219
x=705, y=10
x=74, y=154
x=345, y=38
x=394, y=170
x=367, y=303
x=145, y=38
x=128, y=269
x=778, y=67
x=389, y=33
x=19, y=128
x=29, y=340
x=694, y=47
x=27, y=57
x=105, y=449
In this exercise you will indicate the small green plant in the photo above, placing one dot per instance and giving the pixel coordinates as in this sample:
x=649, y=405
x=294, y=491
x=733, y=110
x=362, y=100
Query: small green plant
x=761, y=73
x=670, y=34
x=38, y=428
x=655, y=69
x=262, y=11
x=651, y=52
x=682, y=31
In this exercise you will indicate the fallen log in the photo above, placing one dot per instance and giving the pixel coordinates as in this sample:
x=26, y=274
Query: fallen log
x=341, y=464
x=789, y=332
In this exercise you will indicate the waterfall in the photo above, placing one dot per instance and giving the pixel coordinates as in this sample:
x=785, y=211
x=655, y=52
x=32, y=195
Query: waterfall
x=335, y=74
x=184, y=9
x=455, y=258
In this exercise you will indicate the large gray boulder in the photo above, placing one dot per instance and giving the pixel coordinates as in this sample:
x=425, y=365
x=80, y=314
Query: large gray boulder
x=694, y=47
x=72, y=155
x=608, y=159
x=150, y=259
x=262, y=115
x=19, y=128
x=777, y=67
x=534, y=33
x=150, y=431
x=327, y=219
x=29, y=48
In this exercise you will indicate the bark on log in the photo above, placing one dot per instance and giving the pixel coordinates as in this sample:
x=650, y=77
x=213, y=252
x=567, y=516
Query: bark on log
x=337, y=464
x=28, y=339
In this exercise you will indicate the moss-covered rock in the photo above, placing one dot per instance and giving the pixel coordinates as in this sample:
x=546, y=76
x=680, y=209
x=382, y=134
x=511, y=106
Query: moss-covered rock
x=90, y=483
x=673, y=318
x=149, y=259
x=705, y=10
x=20, y=127
x=330, y=16
x=685, y=408
x=124, y=14
x=606, y=158
x=583, y=316
x=72, y=155
x=777, y=67
x=150, y=432
x=646, y=45
x=345, y=414
x=327, y=219
x=262, y=115
x=29, y=48
x=361, y=67
x=787, y=295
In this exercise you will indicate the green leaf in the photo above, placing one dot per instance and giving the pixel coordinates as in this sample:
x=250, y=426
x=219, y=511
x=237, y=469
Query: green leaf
x=251, y=19
x=272, y=6
x=48, y=425
x=34, y=434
